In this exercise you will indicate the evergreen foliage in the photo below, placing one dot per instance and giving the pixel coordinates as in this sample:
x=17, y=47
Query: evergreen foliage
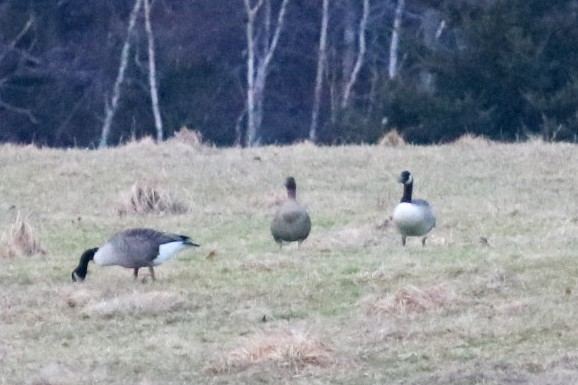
x=507, y=72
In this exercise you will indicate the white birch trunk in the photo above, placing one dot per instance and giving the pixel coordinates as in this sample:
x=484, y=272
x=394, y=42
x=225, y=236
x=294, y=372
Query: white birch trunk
x=321, y=60
x=153, y=73
x=258, y=65
x=360, y=56
x=110, y=109
x=394, y=45
x=250, y=33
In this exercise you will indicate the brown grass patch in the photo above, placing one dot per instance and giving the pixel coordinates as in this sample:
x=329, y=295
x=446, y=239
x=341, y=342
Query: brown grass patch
x=145, y=198
x=21, y=240
x=391, y=138
x=154, y=302
x=412, y=299
x=291, y=349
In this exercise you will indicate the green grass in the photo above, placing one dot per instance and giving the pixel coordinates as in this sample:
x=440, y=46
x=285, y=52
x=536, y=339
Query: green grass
x=338, y=310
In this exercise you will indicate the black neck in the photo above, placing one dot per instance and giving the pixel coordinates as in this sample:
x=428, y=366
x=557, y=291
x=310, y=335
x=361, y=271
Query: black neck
x=82, y=269
x=407, y=191
x=291, y=193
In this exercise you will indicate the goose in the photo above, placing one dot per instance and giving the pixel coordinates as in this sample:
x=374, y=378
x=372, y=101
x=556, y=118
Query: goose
x=412, y=217
x=291, y=222
x=133, y=249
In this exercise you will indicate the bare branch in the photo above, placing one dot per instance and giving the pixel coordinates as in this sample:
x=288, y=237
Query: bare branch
x=112, y=107
x=19, y=110
x=360, y=56
x=275, y=40
x=18, y=37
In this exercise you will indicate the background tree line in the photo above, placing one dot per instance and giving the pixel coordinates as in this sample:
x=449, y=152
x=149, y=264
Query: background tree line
x=253, y=72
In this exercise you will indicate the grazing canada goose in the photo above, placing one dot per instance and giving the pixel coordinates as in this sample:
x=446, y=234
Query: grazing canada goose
x=413, y=218
x=291, y=222
x=133, y=249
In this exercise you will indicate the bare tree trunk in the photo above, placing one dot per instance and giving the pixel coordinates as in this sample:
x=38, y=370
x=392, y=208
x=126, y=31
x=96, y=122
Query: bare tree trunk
x=112, y=107
x=432, y=26
x=7, y=49
x=360, y=56
x=394, y=45
x=258, y=64
x=348, y=53
x=251, y=15
x=321, y=60
x=153, y=72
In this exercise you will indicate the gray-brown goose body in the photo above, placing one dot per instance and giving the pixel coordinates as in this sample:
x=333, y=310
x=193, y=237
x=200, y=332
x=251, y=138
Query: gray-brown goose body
x=291, y=222
x=133, y=249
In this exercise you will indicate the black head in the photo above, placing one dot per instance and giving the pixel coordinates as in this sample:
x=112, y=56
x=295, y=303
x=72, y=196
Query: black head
x=290, y=183
x=405, y=178
x=80, y=272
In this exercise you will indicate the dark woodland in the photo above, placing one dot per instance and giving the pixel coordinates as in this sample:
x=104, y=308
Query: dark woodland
x=504, y=69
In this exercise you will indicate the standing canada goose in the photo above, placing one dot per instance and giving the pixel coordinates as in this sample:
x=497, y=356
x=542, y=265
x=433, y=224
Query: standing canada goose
x=291, y=222
x=133, y=249
x=413, y=218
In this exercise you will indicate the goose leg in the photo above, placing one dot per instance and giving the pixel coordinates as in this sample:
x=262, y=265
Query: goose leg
x=403, y=240
x=152, y=273
x=135, y=273
x=423, y=241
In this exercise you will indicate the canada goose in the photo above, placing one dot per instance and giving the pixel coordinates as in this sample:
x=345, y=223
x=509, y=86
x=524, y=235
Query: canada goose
x=133, y=249
x=413, y=218
x=291, y=222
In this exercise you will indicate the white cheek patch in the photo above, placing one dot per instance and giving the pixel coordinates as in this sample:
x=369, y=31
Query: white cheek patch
x=409, y=179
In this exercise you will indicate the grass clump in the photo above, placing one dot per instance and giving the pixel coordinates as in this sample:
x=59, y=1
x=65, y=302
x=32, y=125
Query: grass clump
x=392, y=139
x=145, y=198
x=192, y=138
x=292, y=349
x=411, y=299
x=20, y=240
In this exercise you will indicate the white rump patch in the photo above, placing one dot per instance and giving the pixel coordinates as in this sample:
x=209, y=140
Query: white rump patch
x=167, y=251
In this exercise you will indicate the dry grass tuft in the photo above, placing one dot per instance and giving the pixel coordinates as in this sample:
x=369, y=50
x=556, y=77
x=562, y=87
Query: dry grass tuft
x=413, y=299
x=192, y=138
x=391, y=138
x=471, y=140
x=290, y=349
x=145, y=198
x=154, y=302
x=21, y=240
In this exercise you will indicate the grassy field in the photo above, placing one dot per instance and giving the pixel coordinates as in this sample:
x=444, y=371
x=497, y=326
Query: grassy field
x=491, y=299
